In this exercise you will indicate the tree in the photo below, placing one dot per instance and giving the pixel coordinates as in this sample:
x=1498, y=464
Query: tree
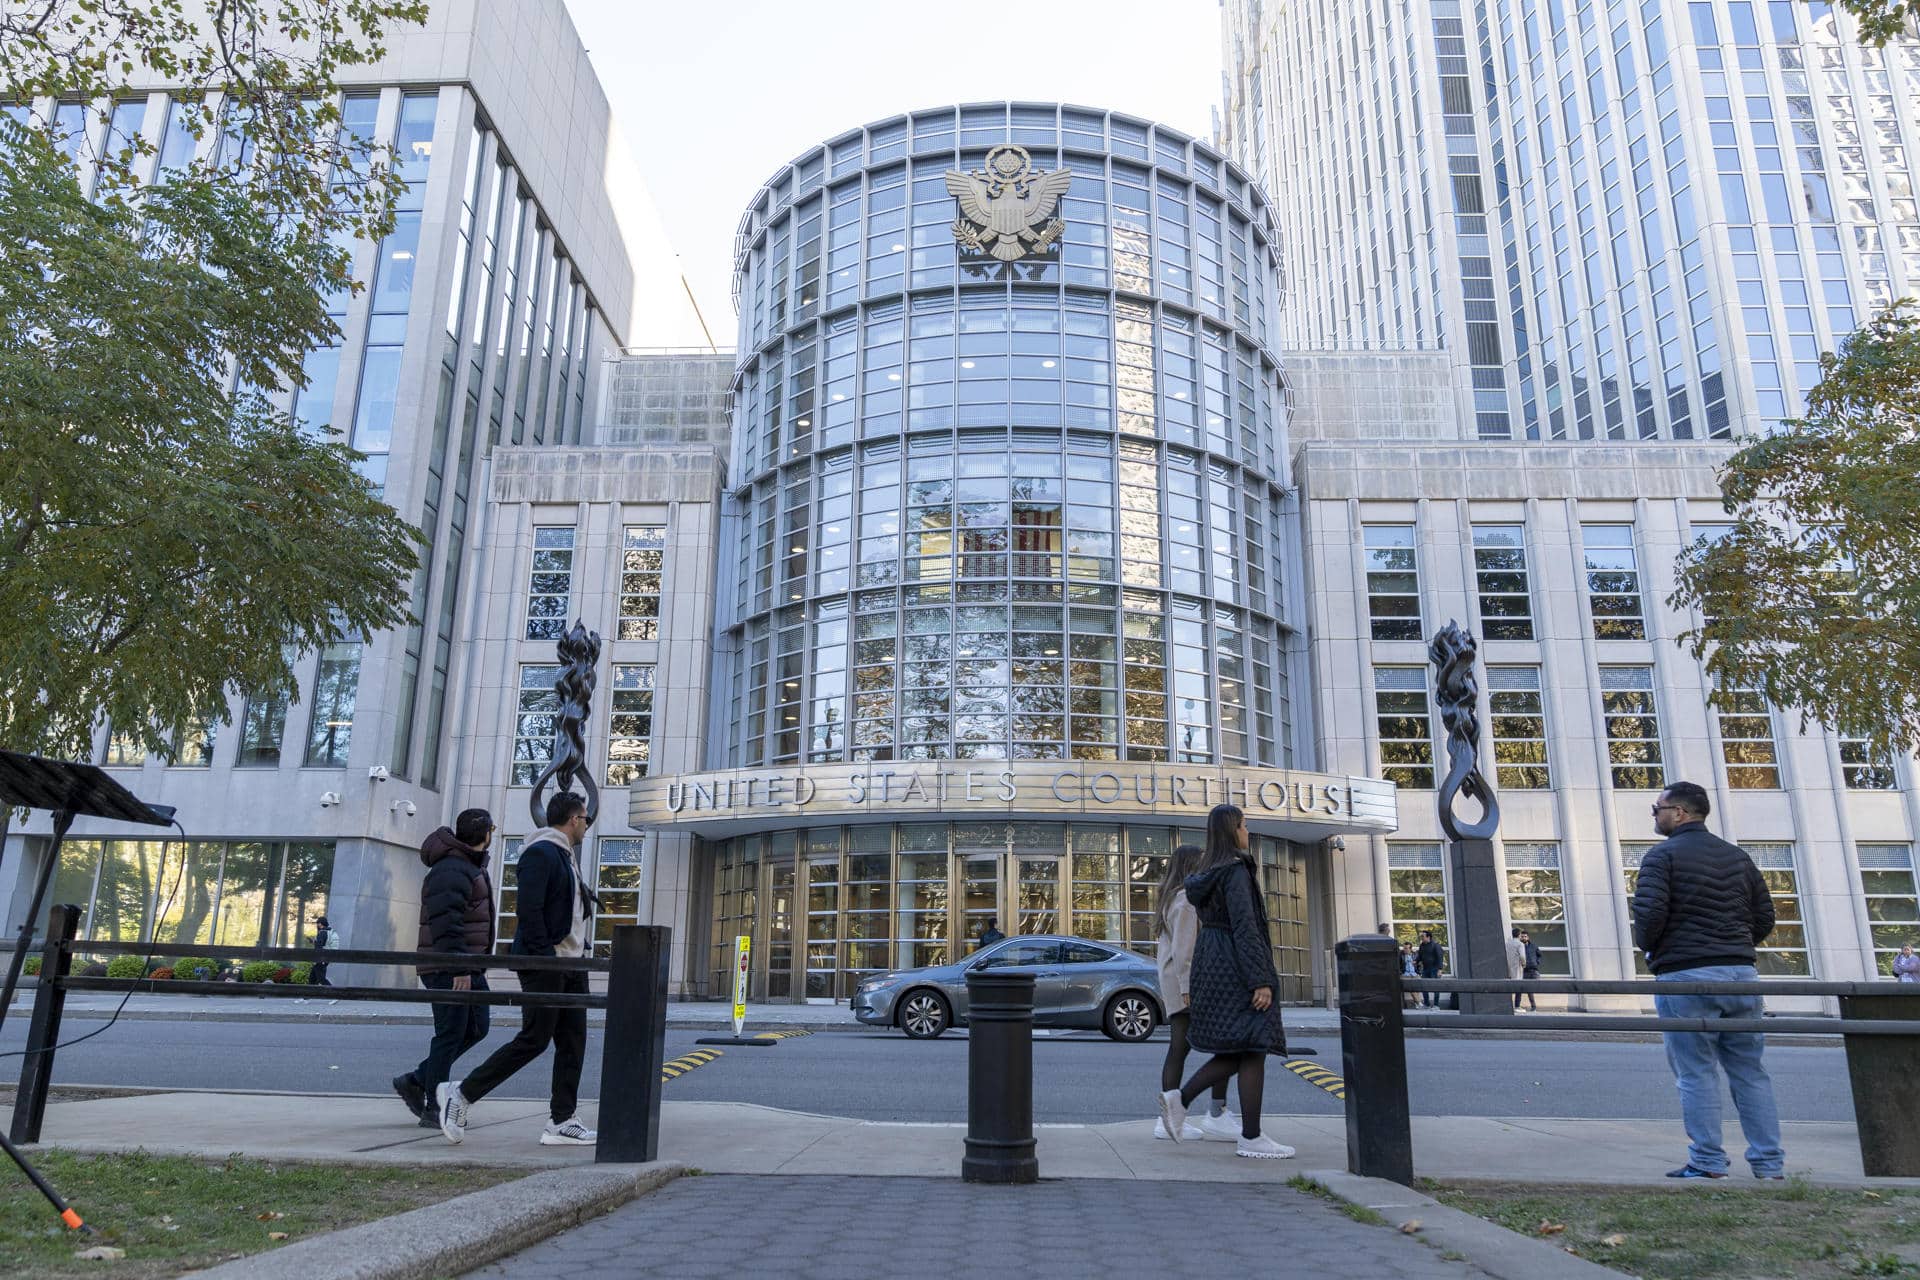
x=167, y=531
x=1879, y=21
x=1812, y=598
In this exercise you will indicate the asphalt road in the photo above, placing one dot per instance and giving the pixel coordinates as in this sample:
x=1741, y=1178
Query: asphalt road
x=1078, y=1077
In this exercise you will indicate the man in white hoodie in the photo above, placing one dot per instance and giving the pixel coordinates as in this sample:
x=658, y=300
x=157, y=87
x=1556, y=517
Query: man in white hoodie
x=553, y=917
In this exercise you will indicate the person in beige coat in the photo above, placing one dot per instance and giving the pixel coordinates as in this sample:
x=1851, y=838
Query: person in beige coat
x=1179, y=929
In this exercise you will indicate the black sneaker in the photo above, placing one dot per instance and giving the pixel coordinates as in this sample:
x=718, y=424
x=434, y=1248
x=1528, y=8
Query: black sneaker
x=414, y=1094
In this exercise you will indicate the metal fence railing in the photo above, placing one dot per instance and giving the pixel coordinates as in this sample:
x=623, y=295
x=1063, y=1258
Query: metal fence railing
x=632, y=1050
x=1879, y=1026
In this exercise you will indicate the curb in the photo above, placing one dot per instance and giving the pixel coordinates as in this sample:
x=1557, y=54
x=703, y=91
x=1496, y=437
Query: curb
x=455, y=1236
x=1494, y=1249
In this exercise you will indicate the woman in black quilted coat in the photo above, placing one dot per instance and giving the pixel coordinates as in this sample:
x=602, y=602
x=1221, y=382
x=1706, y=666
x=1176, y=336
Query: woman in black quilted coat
x=1234, y=1016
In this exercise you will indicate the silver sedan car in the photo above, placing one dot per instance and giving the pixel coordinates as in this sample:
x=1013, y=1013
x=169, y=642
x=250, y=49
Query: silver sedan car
x=1077, y=983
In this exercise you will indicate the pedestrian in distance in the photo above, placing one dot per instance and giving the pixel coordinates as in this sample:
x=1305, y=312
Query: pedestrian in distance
x=1699, y=909
x=1231, y=988
x=1427, y=958
x=1516, y=962
x=553, y=917
x=991, y=934
x=322, y=939
x=1407, y=998
x=456, y=918
x=1529, y=968
x=1906, y=965
x=1179, y=927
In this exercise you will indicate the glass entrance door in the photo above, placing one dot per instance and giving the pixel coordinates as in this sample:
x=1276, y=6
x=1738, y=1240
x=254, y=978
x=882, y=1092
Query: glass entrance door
x=980, y=896
x=1036, y=893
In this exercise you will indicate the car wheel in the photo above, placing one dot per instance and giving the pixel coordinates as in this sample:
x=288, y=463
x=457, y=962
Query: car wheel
x=1130, y=1017
x=924, y=1014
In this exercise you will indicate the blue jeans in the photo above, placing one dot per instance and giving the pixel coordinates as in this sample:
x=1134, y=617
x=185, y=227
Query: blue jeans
x=1693, y=1054
x=456, y=1029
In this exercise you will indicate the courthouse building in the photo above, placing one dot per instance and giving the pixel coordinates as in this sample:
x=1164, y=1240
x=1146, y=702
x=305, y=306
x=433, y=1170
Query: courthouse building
x=1071, y=476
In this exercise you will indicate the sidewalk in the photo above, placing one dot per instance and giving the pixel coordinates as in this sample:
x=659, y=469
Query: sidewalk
x=740, y=1138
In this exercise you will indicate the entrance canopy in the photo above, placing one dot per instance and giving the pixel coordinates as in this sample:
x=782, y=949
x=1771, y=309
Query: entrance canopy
x=1282, y=802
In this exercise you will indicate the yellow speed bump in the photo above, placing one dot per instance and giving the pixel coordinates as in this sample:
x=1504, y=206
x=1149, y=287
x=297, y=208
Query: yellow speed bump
x=782, y=1035
x=681, y=1065
x=1318, y=1076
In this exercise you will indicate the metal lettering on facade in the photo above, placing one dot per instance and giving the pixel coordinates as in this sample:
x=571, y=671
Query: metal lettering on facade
x=824, y=793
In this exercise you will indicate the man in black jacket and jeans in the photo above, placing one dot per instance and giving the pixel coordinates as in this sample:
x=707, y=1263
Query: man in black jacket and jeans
x=553, y=917
x=1699, y=908
x=456, y=918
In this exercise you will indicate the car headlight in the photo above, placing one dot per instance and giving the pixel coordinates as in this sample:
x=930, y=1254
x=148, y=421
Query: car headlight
x=878, y=984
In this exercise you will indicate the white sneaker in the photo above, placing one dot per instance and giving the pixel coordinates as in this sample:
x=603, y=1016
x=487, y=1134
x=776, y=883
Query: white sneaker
x=1224, y=1127
x=568, y=1133
x=1173, y=1114
x=1189, y=1132
x=453, y=1110
x=1263, y=1148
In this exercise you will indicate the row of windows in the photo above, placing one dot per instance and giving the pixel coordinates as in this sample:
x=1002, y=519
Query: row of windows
x=550, y=583
x=263, y=724
x=629, y=728
x=1419, y=887
x=1749, y=741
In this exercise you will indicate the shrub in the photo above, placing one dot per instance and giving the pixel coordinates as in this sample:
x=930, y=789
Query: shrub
x=257, y=970
x=302, y=974
x=32, y=967
x=195, y=969
x=127, y=967
x=281, y=974
x=162, y=973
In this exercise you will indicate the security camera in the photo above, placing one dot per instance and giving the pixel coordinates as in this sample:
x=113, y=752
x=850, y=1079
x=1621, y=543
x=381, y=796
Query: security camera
x=377, y=774
x=329, y=798
x=402, y=807
x=1337, y=845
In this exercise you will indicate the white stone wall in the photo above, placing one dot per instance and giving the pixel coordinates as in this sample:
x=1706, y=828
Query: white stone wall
x=1660, y=489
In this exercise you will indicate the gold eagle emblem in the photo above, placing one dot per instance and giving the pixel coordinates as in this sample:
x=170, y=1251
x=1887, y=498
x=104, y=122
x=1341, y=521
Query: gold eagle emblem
x=1006, y=208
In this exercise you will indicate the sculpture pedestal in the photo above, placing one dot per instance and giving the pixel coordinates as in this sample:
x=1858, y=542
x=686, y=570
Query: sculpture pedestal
x=1479, y=922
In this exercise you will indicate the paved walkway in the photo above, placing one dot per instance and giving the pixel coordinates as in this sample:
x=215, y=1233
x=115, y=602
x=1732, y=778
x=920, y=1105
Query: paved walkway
x=834, y=1227
x=739, y=1138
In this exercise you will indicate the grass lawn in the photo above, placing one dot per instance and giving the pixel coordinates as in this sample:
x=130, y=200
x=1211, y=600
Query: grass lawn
x=1743, y=1232
x=177, y=1213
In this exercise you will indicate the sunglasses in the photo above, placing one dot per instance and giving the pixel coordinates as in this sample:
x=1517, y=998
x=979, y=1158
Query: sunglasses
x=1658, y=807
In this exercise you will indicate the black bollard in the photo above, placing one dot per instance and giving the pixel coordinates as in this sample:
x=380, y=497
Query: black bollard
x=1000, y=1079
x=1373, y=1057
x=634, y=1045
x=1880, y=1069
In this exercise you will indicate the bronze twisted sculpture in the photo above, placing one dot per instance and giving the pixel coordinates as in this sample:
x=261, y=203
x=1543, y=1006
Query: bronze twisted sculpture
x=579, y=650
x=1453, y=651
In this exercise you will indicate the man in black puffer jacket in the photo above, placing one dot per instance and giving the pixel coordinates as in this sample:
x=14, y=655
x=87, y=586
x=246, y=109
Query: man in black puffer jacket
x=456, y=917
x=1699, y=908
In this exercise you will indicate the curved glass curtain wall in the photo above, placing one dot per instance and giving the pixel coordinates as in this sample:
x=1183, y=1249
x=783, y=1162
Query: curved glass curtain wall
x=1008, y=512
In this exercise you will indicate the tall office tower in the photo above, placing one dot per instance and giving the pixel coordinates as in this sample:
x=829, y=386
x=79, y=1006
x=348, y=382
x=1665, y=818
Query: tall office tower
x=523, y=250
x=1623, y=221
x=1543, y=260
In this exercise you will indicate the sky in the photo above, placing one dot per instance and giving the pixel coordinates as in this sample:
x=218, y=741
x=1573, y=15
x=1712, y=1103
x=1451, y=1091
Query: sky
x=715, y=96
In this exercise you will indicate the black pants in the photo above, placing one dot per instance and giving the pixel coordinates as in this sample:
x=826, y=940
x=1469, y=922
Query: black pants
x=565, y=1029
x=456, y=1029
x=1528, y=994
x=1250, y=1070
x=318, y=976
x=1429, y=998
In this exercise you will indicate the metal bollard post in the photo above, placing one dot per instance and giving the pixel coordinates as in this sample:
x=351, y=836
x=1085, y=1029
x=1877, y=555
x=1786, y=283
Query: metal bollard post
x=634, y=1046
x=1373, y=1057
x=43, y=1027
x=1000, y=1079
x=1880, y=1068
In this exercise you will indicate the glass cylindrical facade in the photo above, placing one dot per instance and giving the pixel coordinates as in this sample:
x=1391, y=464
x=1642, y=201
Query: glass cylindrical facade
x=997, y=511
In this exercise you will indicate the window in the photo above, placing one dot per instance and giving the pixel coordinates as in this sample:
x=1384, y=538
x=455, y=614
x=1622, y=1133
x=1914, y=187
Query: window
x=1630, y=856
x=1633, y=727
x=1783, y=954
x=1865, y=768
x=642, y=561
x=533, y=724
x=1500, y=572
x=123, y=751
x=616, y=879
x=1405, y=724
x=261, y=726
x=1613, y=582
x=1537, y=902
x=1893, y=905
x=1393, y=582
x=550, y=584
x=1417, y=892
x=336, y=685
x=193, y=744
x=508, y=894
x=1084, y=953
x=630, y=740
x=1519, y=723
x=1023, y=954
x=1746, y=739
